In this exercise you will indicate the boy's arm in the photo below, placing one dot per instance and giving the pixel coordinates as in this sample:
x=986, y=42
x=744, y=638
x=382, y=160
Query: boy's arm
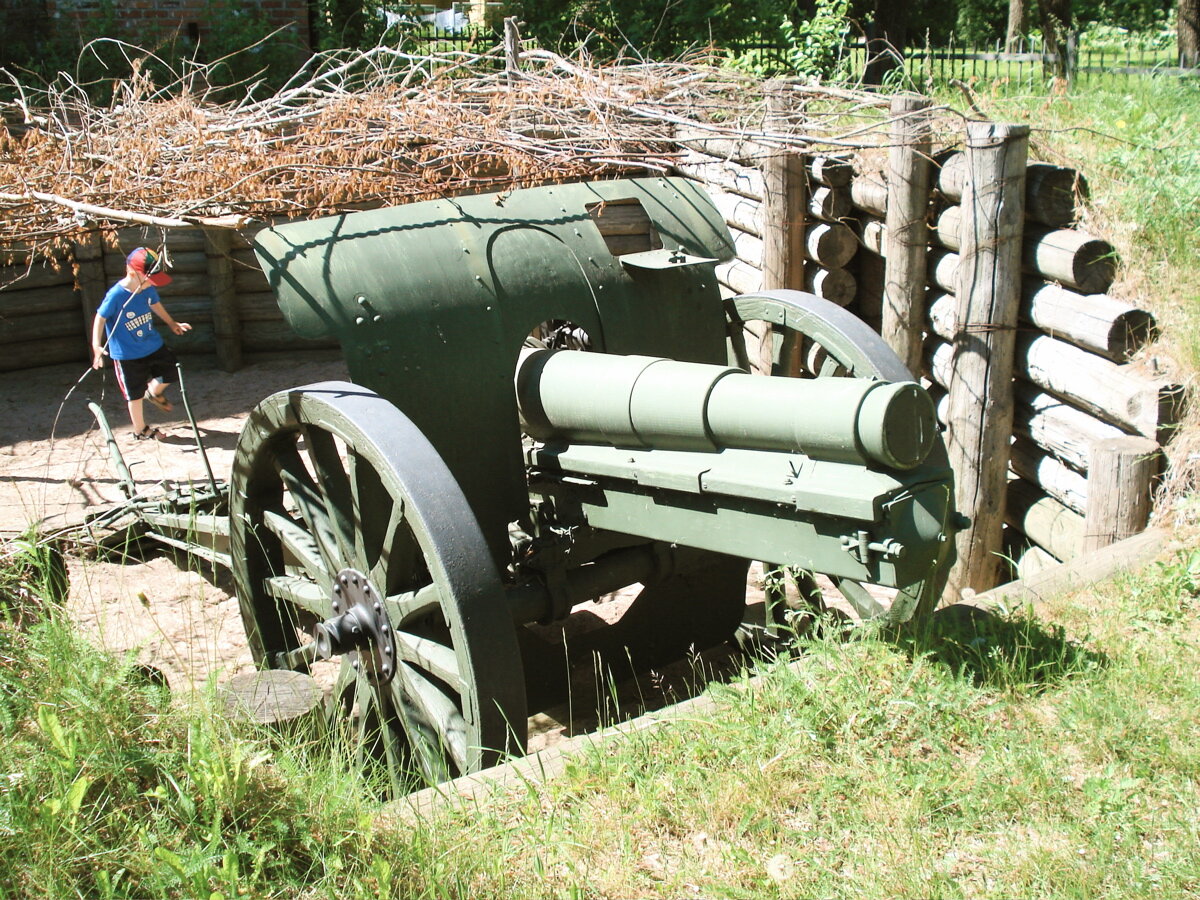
x=98, y=342
x=176, y=327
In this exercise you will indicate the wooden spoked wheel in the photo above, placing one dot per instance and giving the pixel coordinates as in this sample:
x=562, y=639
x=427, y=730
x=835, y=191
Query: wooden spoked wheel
x=344, y=517
x=799, y=335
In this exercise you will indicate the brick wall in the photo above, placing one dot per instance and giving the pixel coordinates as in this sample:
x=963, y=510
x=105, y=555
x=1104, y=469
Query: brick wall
x=145, y=21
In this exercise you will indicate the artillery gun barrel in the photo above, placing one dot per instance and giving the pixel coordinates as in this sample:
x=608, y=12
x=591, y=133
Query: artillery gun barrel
x=648, y=402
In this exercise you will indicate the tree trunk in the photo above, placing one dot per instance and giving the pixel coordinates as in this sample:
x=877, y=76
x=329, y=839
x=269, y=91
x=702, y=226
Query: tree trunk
x=1017, y=24
x=1056, y=25
x=1188, y=33
x=886, y=40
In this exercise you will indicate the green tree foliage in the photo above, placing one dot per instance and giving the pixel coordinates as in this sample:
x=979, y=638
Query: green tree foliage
x=655, y=28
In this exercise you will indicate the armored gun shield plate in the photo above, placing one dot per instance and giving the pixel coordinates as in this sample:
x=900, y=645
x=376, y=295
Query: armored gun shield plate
x=346, y=525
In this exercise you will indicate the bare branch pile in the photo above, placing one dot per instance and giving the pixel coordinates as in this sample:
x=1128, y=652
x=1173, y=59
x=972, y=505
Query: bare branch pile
x=381, y=127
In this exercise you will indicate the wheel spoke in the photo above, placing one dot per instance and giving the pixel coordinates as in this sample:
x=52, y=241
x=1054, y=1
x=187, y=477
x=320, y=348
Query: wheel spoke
x=403, y=608
x=435, y=711
x=300, y=544
x=399, y=559
x=860, y=598
x=310, y=504
x=335, y=484
x=432, y=657
x=300, y=592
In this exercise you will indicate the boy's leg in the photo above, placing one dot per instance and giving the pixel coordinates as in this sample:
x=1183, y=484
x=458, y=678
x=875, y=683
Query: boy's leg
x=136, y=416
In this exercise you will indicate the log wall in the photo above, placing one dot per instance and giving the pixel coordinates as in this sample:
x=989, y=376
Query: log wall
x=46, y=310
x=1076, y=382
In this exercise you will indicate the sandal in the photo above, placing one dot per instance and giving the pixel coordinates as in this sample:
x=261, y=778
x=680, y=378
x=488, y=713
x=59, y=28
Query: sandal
x=149, y=433
x=161, y=402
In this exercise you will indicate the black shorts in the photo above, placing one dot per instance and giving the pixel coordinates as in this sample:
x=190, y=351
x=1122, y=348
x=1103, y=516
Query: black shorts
x=133, y=375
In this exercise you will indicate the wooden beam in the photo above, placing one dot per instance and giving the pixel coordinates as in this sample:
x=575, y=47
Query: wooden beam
x=227, y=332
x=1120, y=482
x=907, y=239
x=981, y=405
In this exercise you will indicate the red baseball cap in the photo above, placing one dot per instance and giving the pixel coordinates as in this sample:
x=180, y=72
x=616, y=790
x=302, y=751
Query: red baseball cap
x=146, y=262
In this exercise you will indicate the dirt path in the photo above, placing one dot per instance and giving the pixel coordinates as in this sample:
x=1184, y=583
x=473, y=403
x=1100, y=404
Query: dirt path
x=172, y=618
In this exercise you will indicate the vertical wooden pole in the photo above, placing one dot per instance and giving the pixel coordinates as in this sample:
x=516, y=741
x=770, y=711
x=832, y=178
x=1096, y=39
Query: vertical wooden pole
x=988, y=297
x=512, y=49
x=1121, y=471
x=227, y=331
x=91, y=283
x=784, y=205
x=907, y=241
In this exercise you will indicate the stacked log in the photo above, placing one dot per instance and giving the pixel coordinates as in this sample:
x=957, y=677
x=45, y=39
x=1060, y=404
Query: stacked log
x=1075, y=386
x=41, y=317
x=738, y=188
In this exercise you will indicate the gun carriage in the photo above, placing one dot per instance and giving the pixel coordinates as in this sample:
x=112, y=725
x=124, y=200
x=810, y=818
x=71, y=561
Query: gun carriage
x=476, y=475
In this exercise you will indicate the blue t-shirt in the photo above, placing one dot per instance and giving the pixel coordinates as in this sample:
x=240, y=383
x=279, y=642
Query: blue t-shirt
x=129, y=322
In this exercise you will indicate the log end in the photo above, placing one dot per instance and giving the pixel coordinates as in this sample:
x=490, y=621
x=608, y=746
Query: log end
x=1130, y=332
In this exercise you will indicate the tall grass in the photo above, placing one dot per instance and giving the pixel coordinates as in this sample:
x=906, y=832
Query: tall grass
x=995, y=756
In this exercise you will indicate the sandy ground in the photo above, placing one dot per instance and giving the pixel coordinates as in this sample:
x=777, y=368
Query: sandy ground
x=54, y=465
x=52, y=471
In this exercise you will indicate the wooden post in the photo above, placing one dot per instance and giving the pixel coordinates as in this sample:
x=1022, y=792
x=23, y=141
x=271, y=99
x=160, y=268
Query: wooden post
x=785, y=200
x=1120, y=474
x=989, y=296
x=907, y=238
x=227, y=332
x=784, y=207
x=92, y=285
x=512, y=49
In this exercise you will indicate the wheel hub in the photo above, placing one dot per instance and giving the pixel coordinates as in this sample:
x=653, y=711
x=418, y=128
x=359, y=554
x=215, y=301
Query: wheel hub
x=360, y=629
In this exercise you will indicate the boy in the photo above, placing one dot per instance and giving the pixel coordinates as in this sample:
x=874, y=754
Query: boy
x=125, y=327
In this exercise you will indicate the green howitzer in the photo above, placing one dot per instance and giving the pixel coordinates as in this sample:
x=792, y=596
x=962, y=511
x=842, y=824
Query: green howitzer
x=550, y=400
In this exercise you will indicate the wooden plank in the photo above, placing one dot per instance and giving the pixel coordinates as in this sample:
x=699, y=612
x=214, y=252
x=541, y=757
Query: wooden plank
x=1096, y=322
x=267, y=336
x=24, y=278
x=830, y=204
x=28, y=354
x=740, y=277
x=248, y=281
x=87, y=259
x=42, y=326
x=737, y=211
x=723, y=173
x=872, y=234
x=868, y=299
x=831, y=171
x=260, y=306
x=1120, y=482
x=37, y=300
x=981, y=408
x=227, y=334
x=1077, y=574
x=869, y=192
x=835, y=285
x=831, y=244
x=1053, y=424
x=906, y=239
